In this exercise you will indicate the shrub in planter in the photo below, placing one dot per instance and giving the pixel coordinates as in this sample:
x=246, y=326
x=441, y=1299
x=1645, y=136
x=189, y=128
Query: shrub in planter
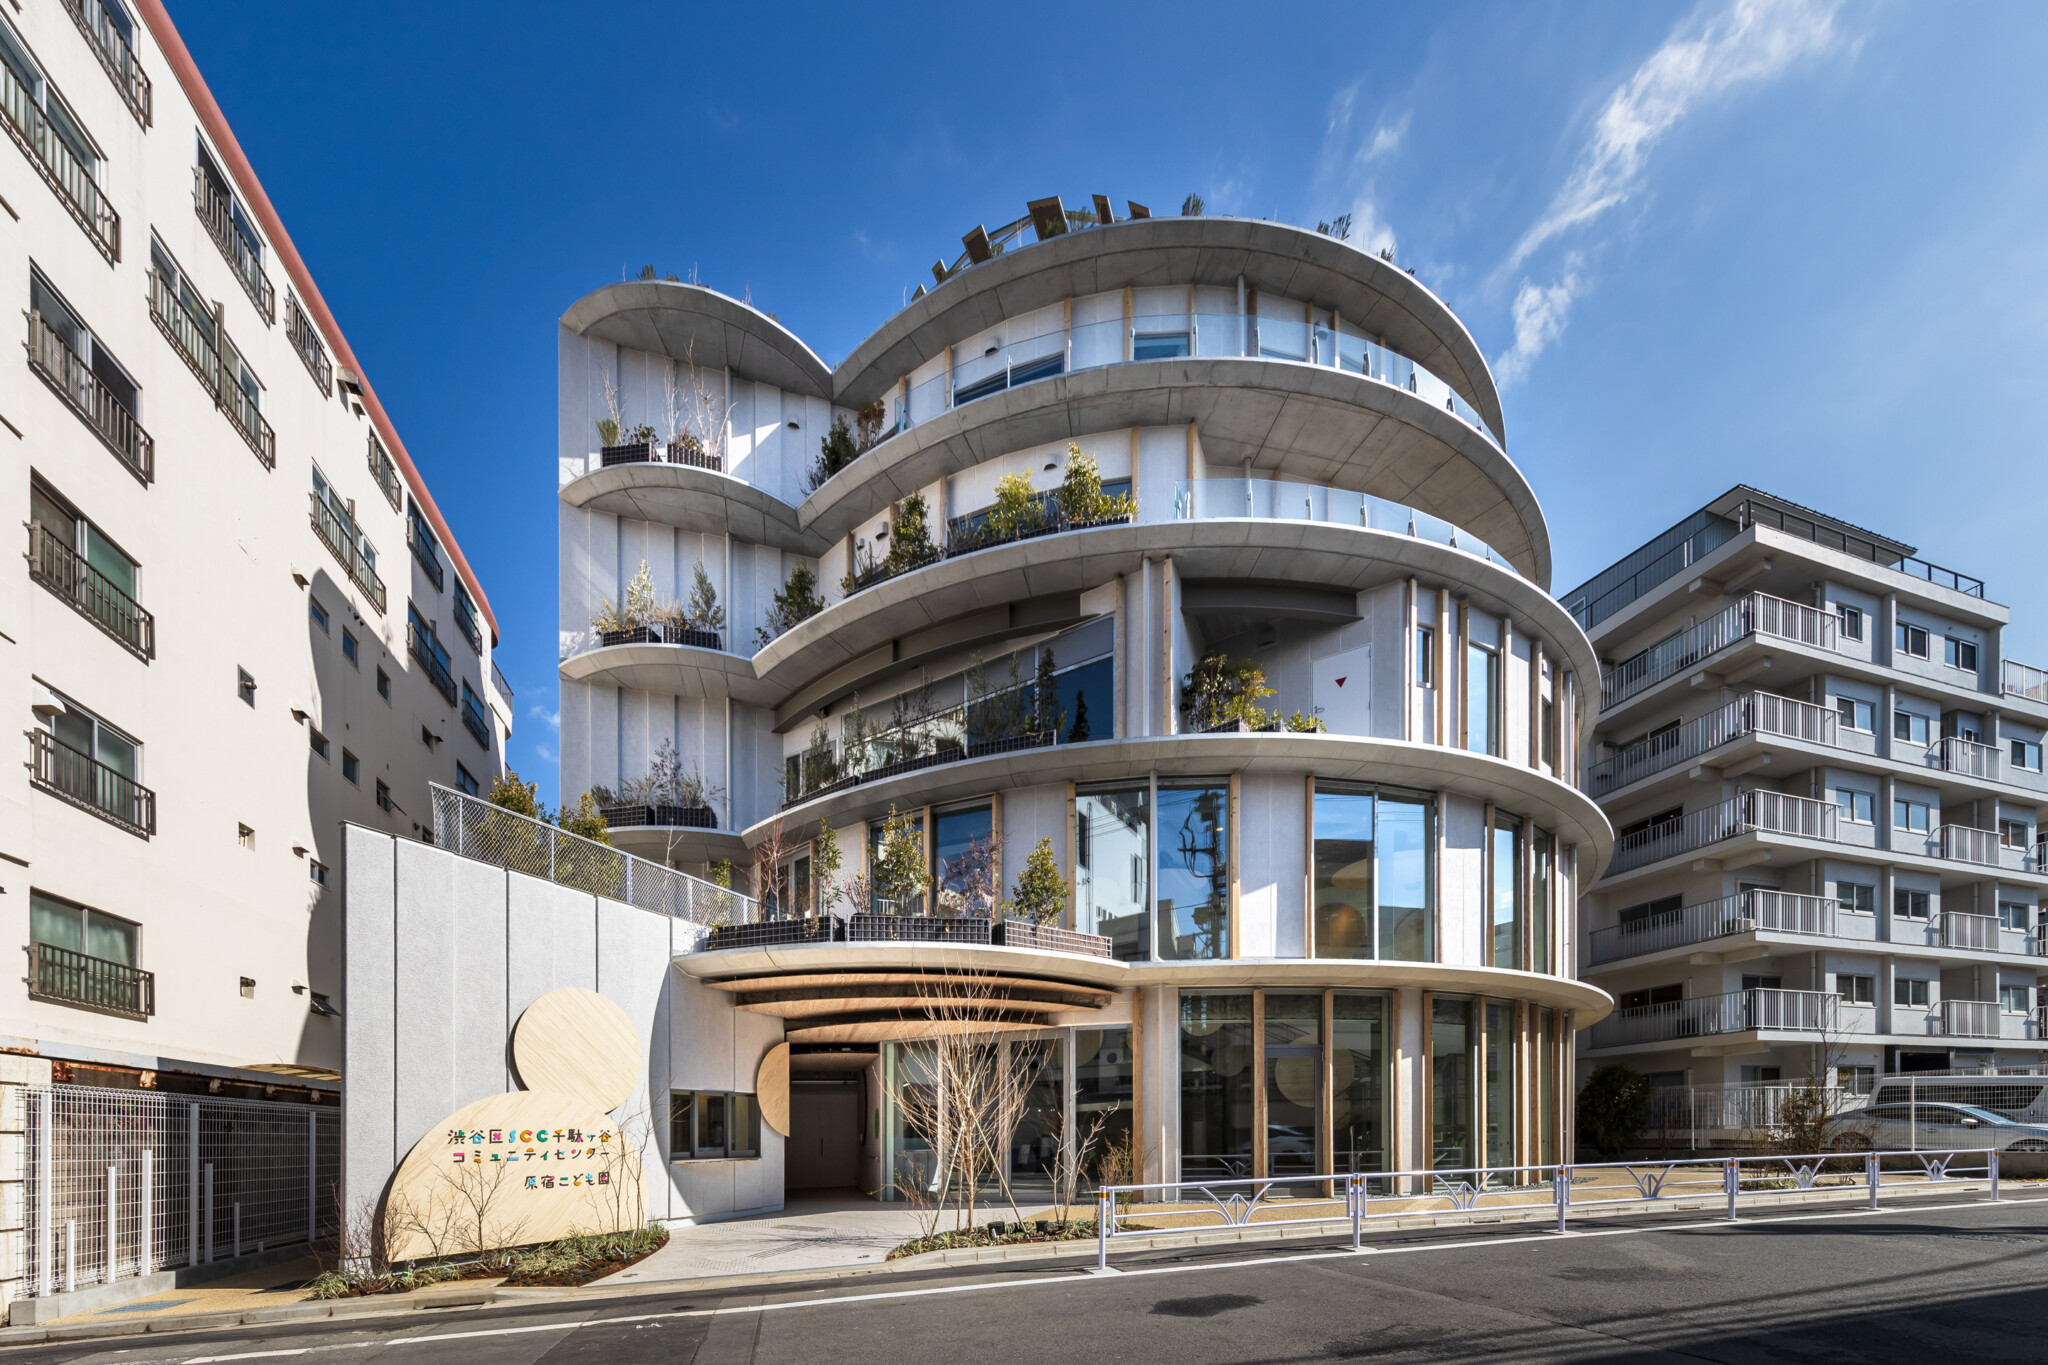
x=796, y=600
x=1222, y=692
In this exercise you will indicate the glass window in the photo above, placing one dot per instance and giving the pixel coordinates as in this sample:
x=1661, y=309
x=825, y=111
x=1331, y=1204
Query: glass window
x=1105, y=1091
x=1159, y=345
x=743, y=1138
x=318, y=612
x=711, y=1124
x=1500, y=1083
x=1856, y=990
x=1959, y=653
x=1034, y=1144
x=1849, y=621
x=1855, y=806
x=1910, y=904
x=681, y=1122
x=76, y=928
x=1911, y=640
x=349, y=648
x=1856, y=896
x=351, y=767
x=1450, y=1083
x=968, y=878
x=2027, y=755
x=1371, y=874
x=1113, y=868
x=383, y=684
x=1504, y=868
x=1910, y=815
x=1359, y=1062
x=318, y=740
x=1540, y=857
x=1910, y=993
x=1087, y=699
x=2014, y=999
x=1909, y=727
x=2014, y=915
x=1482, y=688
x=1425, y=656
x=1294, y=1081
x=1855, y=715
x=1546, y=1088
x=1406, y=843
x=1215, y=1086
x=466, y=780
x=1194, y=871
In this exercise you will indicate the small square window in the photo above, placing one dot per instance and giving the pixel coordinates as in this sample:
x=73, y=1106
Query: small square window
x=317, y=870
x=1959, y=653
x=466, y=780
x=319, y=741
x=1856, y=715
x=1909, y=727
x=1856, y=807
x=349, y=647
x=1911, y=640
x=2013, y=833
x=351, y=768
x=383, y=684
x=245, y=836
x=1906, y=991
x=1910, y=815
x=319, y=614
x=1911, y=904
x=1856, y=896
x=2015, y=915
x=2026, y=755
x=1856, y=990
x=1849, y=622
x=2014, y=999
x=383, y=796
x=245, y=686
x=428, y=737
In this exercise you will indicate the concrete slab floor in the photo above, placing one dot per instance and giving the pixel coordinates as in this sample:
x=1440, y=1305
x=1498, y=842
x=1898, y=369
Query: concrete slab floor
x=264, y=1288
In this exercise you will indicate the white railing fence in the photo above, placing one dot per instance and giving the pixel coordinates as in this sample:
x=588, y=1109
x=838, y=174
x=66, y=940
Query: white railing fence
x=1780, y=911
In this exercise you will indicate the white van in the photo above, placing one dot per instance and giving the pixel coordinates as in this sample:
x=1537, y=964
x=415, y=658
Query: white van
x=2021, y=1097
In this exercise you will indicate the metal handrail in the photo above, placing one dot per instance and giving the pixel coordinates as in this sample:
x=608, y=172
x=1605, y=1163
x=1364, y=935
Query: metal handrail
x=1747, y=812
x=115, y=55
x=473, y=717
x=418, y=540
x=85, y=781
x=66, y=371
x=2023, y=680
x=65, y=976
x=1745, y=912
x=60, y=568
x=1764, y=712
x=1272, y=499
x=1756, y=1009
x=1757, y=613
x=1969, y=757
x=386, y=474
x=59, y=166
x=340, y=536
x=217, y=211
x=205, y=353
x=498, y=681
x=421, y=646
x=1746, y=514
x=1967, y=1019
x=305, y=339
x=1978, y=933
x=465, y=619
x=1278, y=1202
x=244, y=416
x=1963, y=844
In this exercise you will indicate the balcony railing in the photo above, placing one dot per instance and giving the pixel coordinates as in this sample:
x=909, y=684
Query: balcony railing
x=217, y=211
x=2023, y=680
x=65, y=977
x=974, y=730
x=1966, y=1019
x=1271, y=499
x=84, y=781
x=423, y=551
x=422, y=648
x=1962, y=844
x=305, y=339
x=1757, y=614
x=386, y=474
x=200, y=343
x=1774, y=911
x=115, y=55
x=61, y=167
x=685, y=450
x=342, y=538
x=1756, y=712
x=1747, y=514
x=1750, y=1011
x=65, y=371
x=498, y=681
x=473, y=719
x=1965, y=757
x=465, y=621
x=1748, y=812
x=1978, y=933
x=59, y=568
x=244, y=416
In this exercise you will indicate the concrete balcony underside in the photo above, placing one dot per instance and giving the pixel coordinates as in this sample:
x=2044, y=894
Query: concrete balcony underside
x=672, y=670
x=675, y=845
x=1313, y=422
x=766, y=965
x=1555, y=805
x=979, y=599
x=689, y=322
x=1759, y=847
x=694, y=500
x=1274, y=258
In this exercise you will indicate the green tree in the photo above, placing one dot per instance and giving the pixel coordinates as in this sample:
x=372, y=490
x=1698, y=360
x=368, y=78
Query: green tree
x=1081, y=495
x=1016, y=508
x=825, y=863
x=1039, y=893
x=585, y=820
x=836, y=450
x=704, y=611
x=521, y=798
x=1613, y=1110
x=1220, y=690
x=900, y=875
x=796, y=600
x=910, y=540
x=1046, y=715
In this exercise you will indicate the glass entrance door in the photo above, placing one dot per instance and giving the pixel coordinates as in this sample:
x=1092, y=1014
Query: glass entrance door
x=1294, y=1083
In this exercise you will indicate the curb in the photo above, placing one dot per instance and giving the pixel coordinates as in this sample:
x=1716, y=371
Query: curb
x=430, y=1300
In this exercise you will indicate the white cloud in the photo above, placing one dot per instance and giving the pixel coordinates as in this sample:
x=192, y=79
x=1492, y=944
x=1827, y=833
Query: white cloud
x=1386, y=139
x=1344, y=165
x=551, y=719
x=544, y=753
x=1718, y=47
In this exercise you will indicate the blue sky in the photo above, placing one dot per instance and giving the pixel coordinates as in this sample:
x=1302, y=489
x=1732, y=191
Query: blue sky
x=1790, y=244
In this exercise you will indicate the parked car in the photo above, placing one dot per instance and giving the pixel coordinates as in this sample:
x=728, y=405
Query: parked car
x=2022, y=1097
x=1933, y=1127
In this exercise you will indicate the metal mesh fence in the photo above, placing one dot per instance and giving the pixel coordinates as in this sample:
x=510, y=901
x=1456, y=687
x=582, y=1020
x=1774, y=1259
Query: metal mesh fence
x=474, y=828
x=117, y=1183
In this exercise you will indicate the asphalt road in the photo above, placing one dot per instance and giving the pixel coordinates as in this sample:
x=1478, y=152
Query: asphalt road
x=1933, y=1286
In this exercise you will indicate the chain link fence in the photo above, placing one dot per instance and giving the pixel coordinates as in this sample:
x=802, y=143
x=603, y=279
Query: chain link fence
x=119, y=1183
x=474, y=828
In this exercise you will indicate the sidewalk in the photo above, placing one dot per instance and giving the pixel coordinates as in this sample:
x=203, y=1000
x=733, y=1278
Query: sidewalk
x=826, y=1230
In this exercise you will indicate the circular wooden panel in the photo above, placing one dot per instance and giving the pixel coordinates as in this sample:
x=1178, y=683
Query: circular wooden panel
x=576, y=1042
x=771, y=1088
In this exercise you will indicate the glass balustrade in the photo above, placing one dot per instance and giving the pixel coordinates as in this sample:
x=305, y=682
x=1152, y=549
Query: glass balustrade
x=1273, y=500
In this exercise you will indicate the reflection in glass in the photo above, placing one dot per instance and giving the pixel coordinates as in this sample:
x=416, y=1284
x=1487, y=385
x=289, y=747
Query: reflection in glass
x=1036, y=1141
x=1500, y=1083
x=1541, y=851
x=1372, y=868
x=1215, y=1086
x=1546, y=1088
x=1407, y=844
x=1505, y=866
x=1194, y=872
x=1105, y=1091
x=1482, y=688
x=1450, y=1084
x=1113, y=868
x=962, y=864
x=1343, y=874
x=1358, y=1082
x=1294, y=1082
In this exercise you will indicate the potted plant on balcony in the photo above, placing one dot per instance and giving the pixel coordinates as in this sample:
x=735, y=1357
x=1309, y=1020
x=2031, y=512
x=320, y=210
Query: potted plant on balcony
x=698, y=622
x=671, y=794
x=836, y=450
x=999, y=715
x=1017, y=512
x=634, y=622
x=633, y=447
x=1223, y=694
x=796, y=600
x=1037, y=900
x=1082, y=501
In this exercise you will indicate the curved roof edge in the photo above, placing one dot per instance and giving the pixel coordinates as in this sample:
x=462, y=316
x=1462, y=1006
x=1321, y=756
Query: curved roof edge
x=216, y=124
x=688, y=321
x=1288, y=259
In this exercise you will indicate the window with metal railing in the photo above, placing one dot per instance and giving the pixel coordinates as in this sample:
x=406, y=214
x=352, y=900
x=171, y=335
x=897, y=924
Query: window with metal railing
x=53, y=139
x=85, y=957
x=473, y=719
x=465, y=618
x=305, y=339
x=72, y=558
x=335, y=523
x=233, y=232
x=93, y=768
x=425, y=545
x=386, y=474
x=194, y=330
x=110, y=30
x=68, y=356
x=426, y=648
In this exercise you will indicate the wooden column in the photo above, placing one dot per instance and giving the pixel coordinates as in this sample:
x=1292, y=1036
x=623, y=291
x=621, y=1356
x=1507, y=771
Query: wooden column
x=1410, y=693
x=1326, y=1092
x=1236, y=855
x=1073, y=860
x=1169, y=717
x=1259, y=1153
x=1308, y=867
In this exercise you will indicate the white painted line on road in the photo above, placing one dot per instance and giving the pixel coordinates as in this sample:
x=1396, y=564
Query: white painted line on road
x=1087, y=1276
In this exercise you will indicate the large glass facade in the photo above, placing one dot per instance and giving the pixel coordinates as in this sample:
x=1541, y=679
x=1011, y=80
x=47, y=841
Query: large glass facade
x=1542, y=853
x=1359, y=1059
x=1294, y=1081
x=1504, y=895
x=1372, y=884
x=1499, y=1054
x=1113, y=867
x=1451, y=1045
x=1482, y=691
x=962, y=868
x=1041, y=1125
x=1216, y=1109
x=1105, y=1097
x=1546, y=1087
x=1194, y=871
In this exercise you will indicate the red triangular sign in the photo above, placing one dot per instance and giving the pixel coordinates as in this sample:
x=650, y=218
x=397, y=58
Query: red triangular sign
x=1341, y=681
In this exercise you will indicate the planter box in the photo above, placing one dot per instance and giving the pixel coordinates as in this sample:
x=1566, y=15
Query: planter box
x=699, y=639
x=1238, y=727
x=773, y=932
x=665, y=817
x=1049, y=938
x=982, y=748
x=632, y=452
x=678, y=453
x=638, y=635
x=866, y=928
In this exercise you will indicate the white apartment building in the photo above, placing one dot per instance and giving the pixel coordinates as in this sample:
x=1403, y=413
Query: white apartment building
x=240, y=620
x=1825, y=780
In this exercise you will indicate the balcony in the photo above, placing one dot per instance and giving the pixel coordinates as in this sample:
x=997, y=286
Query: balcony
x=1964, y=757
x=684, y=450
x=1965, y=1019
x=244, y=416
x=428, y=652
x=1754, y=713
x=2023, y=680
x=1757, y=614
x=1747, y=912
x=1269, y=499
x=473, y=718
x=64, y=977
x=1748, y=812
x=421, y=542
x=305, y=339
x=1976, y=933
x=115, y=55
x=201, y=342
x=59, y=165
x=217, y=211
x=91, y=785
x=66, y=372
x=953, y=735
x=465, y=621
x=58, y=567
x=343, y=539
x=1758, y=1010
x=1748, y=513
x=498, y=681
x=386, y=474
x=1962, y=844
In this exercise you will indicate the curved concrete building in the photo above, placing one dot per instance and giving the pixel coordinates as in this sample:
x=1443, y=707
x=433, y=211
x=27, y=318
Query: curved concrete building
x=1018, y=573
